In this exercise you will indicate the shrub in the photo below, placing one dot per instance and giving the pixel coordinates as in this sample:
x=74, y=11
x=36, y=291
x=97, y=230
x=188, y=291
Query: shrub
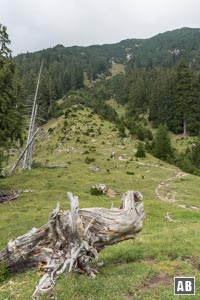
x=161, y=146
x=140, y=150
x=130, y=173
x=92, y=149
x=50, y=130
x=65, y=123
x=36, y=164
x=89, y=160
x=121, y=130
x=98, y=189
x=86, y=152
x=96, y=192
x=143, y=133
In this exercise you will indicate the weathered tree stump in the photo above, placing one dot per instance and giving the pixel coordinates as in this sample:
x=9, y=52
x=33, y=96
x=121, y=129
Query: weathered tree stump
x=72, y=239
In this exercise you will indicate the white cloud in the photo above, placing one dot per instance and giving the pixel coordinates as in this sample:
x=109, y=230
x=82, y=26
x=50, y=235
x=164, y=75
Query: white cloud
x=35, y=24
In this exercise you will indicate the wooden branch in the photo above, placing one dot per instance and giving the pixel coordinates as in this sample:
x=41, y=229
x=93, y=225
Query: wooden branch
x=72, y=239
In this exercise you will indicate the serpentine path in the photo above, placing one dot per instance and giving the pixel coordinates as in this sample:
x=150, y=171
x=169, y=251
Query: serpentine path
x=165, y=194
x=163, y=191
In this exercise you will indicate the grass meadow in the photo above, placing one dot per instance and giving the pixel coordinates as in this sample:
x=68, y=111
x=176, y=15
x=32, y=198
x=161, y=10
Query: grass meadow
x=137, y=269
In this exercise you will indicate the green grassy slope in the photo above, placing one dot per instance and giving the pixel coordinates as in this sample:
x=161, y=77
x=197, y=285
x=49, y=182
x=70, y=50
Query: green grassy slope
x=140, y=269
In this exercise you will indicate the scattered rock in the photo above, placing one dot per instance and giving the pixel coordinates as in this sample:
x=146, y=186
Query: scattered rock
x=122, y=158
x=94, y=169
x=27, y=191
x=112, y=155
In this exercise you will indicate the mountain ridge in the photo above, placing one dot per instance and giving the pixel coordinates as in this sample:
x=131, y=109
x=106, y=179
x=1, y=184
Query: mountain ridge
x=60, y=45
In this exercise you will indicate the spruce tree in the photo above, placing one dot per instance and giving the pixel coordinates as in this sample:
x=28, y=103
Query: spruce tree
x=162, y=147
x=140, y=150
x=11, y=106
x=195, y=155
x=4, y=42
x=186, y=95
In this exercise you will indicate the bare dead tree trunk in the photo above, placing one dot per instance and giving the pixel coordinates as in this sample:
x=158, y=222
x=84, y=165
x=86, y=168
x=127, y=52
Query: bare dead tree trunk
x=72, y=239
x=31, y=147
x=184, y=127
x=28, y=153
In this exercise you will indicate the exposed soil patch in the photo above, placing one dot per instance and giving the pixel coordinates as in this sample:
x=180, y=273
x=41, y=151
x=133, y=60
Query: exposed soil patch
x=111, y=193
x=129, y=295
x=164, y=275
x=161, y=279
x=192, y=261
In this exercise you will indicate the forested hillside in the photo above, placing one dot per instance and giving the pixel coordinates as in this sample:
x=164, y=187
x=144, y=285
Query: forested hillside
x=64, y=67
x=160, y=87
x=166, y=49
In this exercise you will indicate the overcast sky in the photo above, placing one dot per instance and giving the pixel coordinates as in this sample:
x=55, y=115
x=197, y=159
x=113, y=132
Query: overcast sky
x=38, y=24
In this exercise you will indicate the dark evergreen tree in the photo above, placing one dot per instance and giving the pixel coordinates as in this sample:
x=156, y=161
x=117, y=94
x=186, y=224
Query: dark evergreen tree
x=137, y=93
x=161, y=96
x=140, y=150
x=161, y=146
x=4, y=42
x=121, y=128
x=195, y=155
x=11, y=106
x=119, y=88
x=185, y=98
x=193, y=125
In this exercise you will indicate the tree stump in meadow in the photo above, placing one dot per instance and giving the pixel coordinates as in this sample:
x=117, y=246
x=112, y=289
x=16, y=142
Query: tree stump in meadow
x=72, y=239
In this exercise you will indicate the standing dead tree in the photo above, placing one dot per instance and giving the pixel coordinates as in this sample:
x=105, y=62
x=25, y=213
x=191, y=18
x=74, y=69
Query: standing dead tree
x=28, y=155
x=72, y=239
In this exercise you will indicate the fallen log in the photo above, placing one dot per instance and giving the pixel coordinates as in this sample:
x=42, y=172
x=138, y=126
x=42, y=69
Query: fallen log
x=61, y=166
x=8, y=196
x=72, y=239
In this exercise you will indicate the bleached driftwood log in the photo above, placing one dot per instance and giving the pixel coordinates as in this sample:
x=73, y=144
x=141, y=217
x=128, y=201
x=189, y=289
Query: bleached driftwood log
x=72, y=239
